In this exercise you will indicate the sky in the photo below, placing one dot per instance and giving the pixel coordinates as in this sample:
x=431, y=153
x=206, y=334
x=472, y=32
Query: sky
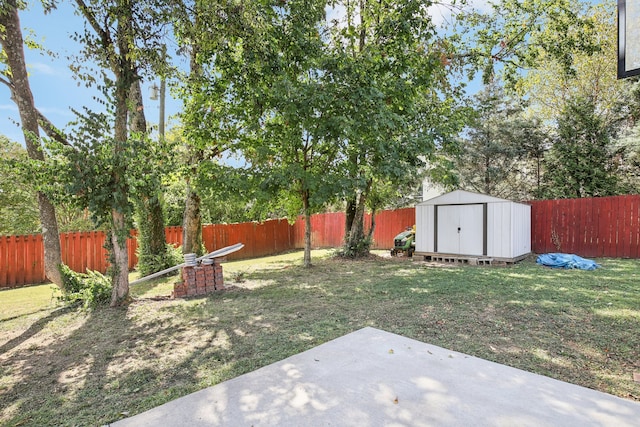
x=55, y=90
x=54, y=87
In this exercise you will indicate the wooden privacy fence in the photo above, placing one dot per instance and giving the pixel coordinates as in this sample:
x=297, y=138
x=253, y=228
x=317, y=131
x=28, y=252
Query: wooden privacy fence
x=598, y=227
x=595, y=227
x=327, y=230
x=21, y=257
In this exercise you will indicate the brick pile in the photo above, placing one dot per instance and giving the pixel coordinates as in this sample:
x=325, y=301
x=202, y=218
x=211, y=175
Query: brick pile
x=200, y=280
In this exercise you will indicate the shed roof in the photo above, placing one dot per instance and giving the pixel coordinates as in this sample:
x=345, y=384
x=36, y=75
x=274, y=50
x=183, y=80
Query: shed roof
x=462, y=197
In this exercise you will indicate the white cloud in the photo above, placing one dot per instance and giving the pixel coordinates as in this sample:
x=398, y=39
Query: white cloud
x=336, y=12
x=42, y=68
x=442, y=12
x=8, y=107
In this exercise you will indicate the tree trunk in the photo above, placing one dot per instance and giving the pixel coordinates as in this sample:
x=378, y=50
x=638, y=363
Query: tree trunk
x=125, y=77
x=356, y=234
x=350, y=214
x=119, y=259
x=373, y=226
x=151, y=235
x=355, y=244
x=192, y=219
x=13, y=47
x=192, y=223
x=307, y=229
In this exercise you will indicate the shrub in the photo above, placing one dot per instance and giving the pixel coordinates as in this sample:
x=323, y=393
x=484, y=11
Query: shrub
x=358, y=250
x=149, y=264
x=91, y=290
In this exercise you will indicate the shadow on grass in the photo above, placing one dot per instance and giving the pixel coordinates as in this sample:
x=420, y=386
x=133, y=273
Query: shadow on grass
x=114, y=363
x=36, y=327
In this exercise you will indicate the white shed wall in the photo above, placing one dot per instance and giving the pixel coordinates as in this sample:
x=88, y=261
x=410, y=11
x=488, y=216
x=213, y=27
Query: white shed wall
x=424, y=228
x=499, y=225
x=521, y=233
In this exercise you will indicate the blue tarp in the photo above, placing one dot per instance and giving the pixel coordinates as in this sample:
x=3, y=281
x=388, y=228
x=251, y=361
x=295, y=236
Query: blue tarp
x=566, y=261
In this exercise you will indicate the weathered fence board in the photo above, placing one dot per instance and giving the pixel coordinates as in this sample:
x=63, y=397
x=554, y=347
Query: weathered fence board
x=595, y=227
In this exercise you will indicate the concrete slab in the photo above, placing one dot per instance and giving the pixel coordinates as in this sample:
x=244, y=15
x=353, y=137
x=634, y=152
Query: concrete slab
x=375, y=378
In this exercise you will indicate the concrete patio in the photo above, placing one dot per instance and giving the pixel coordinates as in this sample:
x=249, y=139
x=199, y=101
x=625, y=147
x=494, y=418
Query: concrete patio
x=375, y=378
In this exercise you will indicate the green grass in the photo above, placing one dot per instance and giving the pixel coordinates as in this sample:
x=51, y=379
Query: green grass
x=29, y=300
x=65, y=367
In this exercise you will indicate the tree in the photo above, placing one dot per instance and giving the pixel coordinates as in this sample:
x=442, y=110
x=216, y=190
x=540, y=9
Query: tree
x=17, y=79
x=550, y=88
x=496, y=144
x=604, y=104
x=580, y=164
x=521, y=35
x=255, y=85
x=292, y=119
x=18, y=199
x=152, y=247
x=628, y=149
x=200, y=27
x=392, y=74
x=122, y=38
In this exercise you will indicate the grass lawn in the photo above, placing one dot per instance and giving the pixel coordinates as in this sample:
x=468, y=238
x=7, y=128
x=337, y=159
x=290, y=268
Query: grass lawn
x=60, y=366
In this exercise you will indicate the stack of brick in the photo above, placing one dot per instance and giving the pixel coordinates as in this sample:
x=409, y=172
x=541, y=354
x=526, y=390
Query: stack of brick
x=200, y=280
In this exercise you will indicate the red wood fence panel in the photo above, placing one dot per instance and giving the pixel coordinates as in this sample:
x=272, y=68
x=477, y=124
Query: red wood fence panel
x=598, y=227
x=389, y=224
x=328, y=228
x=591, y=227
x=21, y=260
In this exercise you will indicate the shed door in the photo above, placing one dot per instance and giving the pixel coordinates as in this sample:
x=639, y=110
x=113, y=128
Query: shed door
x=460, y=229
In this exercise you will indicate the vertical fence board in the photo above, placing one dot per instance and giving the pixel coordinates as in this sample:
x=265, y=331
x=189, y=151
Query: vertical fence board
x=4, y=261
x=12, y=257
x=625, y=230
x=635, y=228
x=30, y=259
x=4, y=265
x=39, y=250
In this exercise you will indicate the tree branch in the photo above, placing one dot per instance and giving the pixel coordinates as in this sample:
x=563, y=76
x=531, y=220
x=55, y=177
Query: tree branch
x=49, y=128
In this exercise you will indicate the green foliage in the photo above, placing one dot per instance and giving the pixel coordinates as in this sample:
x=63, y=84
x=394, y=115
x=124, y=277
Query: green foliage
x=580, y=163
x=496, y=145
x=73, y=218
x=101, y=173
x=357, y=249
x=517, y=35
x=398, y=105
x=628, y=149
x=151, y=263
x=18, y=198
x=91, y=290
x=234, y=194
x=174, y=193
x=594, y=76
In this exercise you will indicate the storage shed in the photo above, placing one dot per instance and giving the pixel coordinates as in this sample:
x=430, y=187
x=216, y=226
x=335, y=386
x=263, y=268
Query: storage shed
x=472, y=227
